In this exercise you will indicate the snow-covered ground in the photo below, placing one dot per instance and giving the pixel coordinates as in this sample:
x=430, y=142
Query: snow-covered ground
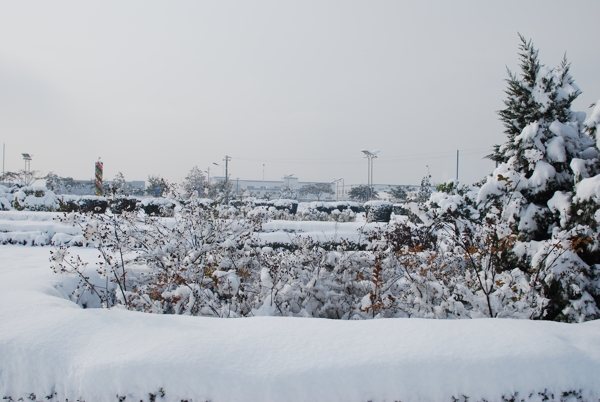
x=50, y=346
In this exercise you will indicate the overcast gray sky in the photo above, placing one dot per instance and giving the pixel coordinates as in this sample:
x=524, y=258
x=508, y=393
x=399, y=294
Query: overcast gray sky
x=158, y=87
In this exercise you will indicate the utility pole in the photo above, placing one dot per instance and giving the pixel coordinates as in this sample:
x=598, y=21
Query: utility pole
x=3, y=156
x=227, y=159
x=457, y=154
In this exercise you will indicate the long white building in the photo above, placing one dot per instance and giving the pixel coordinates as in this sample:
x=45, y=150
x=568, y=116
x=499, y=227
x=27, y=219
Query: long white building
x=273, y=188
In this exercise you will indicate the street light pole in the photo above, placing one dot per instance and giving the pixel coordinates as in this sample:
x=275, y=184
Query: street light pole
x=370, y=155
x=337, y=187
x=227, y=159
x=27, y=159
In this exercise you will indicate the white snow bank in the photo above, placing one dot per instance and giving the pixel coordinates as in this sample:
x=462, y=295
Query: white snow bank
x=49, y=345
x=377, y=203
x=28, y=215
x=280, y=231
x=36, y=228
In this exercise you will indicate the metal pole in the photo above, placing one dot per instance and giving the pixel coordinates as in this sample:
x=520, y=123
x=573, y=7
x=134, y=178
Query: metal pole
x=368, y=171
x=371, y=172
x=3, y=156
x=227, y=159
x=457, y=154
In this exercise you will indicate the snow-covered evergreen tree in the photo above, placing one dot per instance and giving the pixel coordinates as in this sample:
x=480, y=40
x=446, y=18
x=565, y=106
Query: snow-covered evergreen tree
x=548, y=152
x=424, y=190
x=547, y=149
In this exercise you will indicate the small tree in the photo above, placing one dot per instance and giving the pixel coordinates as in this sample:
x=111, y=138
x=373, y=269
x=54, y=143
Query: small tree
x=60, y=185
x=195, y=181
x=287, y=193
x=9, y=177
x=363, y=193
x=157, y=186
x=398, y=193
x=317, y=189
x=220, y=191
x=118, y=186
x=424, y=191
x=22, y=177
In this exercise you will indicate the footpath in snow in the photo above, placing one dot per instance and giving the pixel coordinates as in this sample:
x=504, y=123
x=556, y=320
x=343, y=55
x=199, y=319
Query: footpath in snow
x=51, y=347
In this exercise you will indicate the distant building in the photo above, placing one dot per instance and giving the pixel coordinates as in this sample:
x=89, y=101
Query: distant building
x=273, y=188
x=86, y=187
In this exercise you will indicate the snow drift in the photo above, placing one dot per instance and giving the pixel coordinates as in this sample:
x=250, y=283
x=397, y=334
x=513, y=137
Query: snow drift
x=51, y=347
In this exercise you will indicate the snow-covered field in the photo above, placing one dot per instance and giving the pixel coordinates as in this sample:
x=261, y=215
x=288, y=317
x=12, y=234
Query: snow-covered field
x=50, y=346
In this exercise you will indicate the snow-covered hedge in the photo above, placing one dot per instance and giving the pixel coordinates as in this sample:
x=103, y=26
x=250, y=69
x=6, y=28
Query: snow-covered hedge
x=378, y=211
x=36, y=229
x=35, y=198
x=157, y=206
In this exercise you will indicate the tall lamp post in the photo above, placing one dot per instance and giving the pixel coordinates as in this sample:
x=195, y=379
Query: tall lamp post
x=370, y=155
x=27, y=159
x=337, y=189
x=226, y=160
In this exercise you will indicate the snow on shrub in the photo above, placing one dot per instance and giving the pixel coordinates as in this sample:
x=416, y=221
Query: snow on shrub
x=121, y=203
x=378, y=211
x=157, y=206
x=5, y=198
x=35, y=198
x=92, y=203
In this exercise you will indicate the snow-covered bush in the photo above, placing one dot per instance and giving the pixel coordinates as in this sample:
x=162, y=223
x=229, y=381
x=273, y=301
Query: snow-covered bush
x=195, y=263
x=120, y=204
x=157, y=206
x=68, y=203
x=92, y=203
x=5, y=198
x=378, y=211
x=333, y=214
x=35, y=198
